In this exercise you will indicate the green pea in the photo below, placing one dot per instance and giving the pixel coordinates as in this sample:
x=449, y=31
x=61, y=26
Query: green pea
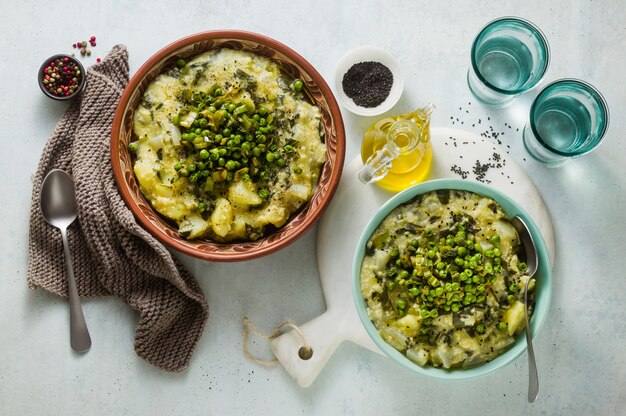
x=256, y=117
x=201, y=207
x=455, y=307
x=212, y=109
x=200, y=165
x=434, y=313
x=180, y=63
x=245, y=177
x=183, y=172
x=193, y=178
x=221, y=161
x=262, y=121
x=256, y=152
x=230, y=165
x=495, y=239
x=231, y=108
x=226, y=132
x=178, y=166
x=439, y=291
x=217, y=92
x=270, y=157
x=521, y=266
x=400, y=303
x=297, y=170
x=280, y=161
x=511, y=299
x=230, y=143
x=502, y=326
x=297, y=85
x=191, y=167
x=214, y=156
x=204, y=154
x=489, y=253
x=514, y=288
x=496, y=252
x=133, y=147
x=480, y=328
x=264, y=193
x=222, y=151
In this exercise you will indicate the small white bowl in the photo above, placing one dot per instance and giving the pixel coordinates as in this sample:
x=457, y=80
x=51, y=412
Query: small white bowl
x=366, y=54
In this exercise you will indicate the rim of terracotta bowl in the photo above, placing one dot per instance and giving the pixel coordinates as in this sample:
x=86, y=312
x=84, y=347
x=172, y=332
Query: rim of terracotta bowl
x=223, y=252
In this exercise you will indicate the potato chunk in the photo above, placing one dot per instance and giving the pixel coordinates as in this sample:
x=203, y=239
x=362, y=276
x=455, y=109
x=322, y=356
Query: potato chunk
x=244, y=193
x=514, y=317
x=222, y=217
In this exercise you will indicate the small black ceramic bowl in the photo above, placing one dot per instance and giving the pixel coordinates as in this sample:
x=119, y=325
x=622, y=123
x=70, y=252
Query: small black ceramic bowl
x=71, y=63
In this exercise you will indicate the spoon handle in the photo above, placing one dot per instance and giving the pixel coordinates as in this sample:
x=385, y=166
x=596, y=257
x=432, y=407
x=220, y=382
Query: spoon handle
x=79, y=334
x=533, y=377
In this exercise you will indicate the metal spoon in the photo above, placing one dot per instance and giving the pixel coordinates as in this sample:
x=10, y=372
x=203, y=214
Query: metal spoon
x=58, y=206
x=532, y=264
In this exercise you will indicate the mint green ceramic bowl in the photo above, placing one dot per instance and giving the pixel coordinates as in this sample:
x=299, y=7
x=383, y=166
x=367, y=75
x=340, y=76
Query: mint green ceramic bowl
x=543, y=286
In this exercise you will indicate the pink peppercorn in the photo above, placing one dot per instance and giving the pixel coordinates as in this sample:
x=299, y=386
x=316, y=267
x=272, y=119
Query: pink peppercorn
x=98, y=60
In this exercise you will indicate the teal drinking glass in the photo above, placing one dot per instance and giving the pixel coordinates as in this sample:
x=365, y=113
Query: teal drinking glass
x=509, y=56
x=568, y=119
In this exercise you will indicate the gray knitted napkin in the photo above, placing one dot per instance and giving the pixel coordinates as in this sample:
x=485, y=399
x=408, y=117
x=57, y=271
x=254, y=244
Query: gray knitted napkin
x=112, y=254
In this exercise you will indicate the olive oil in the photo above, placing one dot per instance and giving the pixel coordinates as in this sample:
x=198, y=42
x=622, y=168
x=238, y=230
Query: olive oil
x=396, y=151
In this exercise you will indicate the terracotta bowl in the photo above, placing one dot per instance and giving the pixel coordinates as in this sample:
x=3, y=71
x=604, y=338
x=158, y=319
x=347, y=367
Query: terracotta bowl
x=291, y=63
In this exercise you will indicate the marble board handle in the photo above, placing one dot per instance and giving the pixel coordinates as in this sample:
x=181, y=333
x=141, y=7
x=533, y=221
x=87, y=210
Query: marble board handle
x=324, y=334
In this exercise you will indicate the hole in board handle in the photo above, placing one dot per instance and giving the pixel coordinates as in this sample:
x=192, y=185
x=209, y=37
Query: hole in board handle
x=305, y=353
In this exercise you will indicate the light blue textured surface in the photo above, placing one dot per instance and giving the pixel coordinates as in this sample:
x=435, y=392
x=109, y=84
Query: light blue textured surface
x=580, y=349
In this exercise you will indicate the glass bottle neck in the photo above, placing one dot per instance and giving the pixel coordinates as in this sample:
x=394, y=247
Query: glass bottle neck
x=403, y=136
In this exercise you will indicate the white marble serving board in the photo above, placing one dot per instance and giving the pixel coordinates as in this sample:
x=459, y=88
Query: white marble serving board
x=353, y=206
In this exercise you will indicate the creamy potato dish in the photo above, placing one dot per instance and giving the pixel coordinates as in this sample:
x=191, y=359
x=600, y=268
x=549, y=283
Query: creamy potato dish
x=443, y=282
x=227, y=146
